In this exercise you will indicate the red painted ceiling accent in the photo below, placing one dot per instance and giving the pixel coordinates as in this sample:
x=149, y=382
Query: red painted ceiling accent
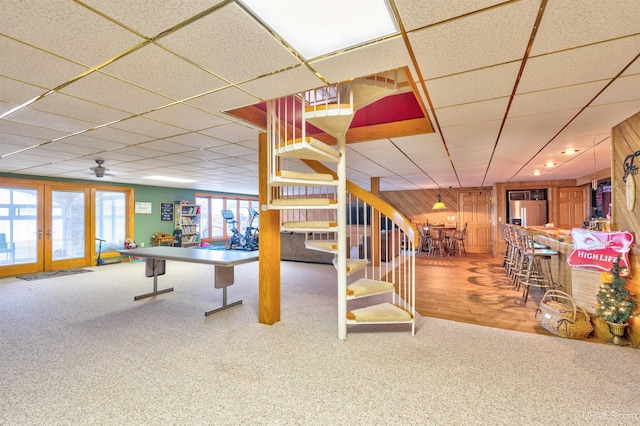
x=388, y=110
x=391, y=109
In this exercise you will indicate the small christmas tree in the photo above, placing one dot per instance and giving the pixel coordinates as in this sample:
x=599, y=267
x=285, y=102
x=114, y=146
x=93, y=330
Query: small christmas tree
x=615, y=303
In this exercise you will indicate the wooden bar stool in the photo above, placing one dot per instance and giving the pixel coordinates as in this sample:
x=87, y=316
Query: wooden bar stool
x=538, y=265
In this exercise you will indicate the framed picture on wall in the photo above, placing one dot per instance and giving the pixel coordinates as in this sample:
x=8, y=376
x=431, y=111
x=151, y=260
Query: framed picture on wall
x=166, y=212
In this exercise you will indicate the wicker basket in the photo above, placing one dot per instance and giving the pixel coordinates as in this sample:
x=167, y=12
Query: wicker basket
x=559, y=314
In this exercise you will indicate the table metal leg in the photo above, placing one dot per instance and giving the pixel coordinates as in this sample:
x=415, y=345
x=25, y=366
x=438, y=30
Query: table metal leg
x=153, y=268
x=223, y=279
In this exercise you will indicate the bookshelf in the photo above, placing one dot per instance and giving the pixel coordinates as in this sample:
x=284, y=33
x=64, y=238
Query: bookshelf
x=188, y=221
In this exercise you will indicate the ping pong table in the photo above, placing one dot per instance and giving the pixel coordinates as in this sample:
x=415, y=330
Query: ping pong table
x=223, y=261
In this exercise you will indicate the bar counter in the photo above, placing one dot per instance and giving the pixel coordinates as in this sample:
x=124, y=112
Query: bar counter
x=582, y=284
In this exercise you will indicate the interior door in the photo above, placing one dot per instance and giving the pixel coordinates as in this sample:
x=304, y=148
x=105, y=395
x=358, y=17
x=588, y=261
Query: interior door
x=475, y=211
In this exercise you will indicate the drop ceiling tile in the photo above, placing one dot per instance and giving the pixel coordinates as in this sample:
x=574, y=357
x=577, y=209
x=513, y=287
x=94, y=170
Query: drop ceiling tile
x=564, y=98
x=18, y=141
x=116, y=156
x=78, y=109
x=116, y=135
x=6, y=107
x=283, y=83
x=601, y=61
x=46, y=120
x=147, y=163
x=229, y=43
x=32, y=61
x=232, y=132
x=423, y=141
x=105, y=90
x=634, y=68
x=197, y=140
x=482, y=129
x=570, y=23
x=381, y=56
x=418, y=13
x=495, y=36
x=150, y=18
x=474, y=112
x=232, y=150
x=8, y=148
x=621, y=90
x=147, y=127
x=483, y=145
x=165, y=146
x=609, y=115
x=36, y=132
x=150, y=66
x=18, y=162
x=554, y=121
x=86, y=140
x=222, y=100
x=66, y=29
x=485, y=84
x=186, y=117
x=74, y=150
x=236, y=161
x=17, y=93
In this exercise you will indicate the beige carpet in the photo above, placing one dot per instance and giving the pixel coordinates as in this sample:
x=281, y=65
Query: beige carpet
x=77, y=350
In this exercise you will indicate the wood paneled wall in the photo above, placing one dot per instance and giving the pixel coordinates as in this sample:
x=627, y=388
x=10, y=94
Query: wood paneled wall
x=417, y=205
x=626, y=140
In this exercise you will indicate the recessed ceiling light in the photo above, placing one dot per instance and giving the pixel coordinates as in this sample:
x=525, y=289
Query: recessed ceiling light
x=318, y=27
x=169, y=179
x=549, y=164
x=570, y=151
x=536, y=173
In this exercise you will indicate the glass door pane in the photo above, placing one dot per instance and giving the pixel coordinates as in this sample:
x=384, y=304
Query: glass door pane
x=68, y=225
x=19, y=232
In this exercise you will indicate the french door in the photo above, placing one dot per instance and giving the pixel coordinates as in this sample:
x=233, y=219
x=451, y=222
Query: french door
x=42, y=227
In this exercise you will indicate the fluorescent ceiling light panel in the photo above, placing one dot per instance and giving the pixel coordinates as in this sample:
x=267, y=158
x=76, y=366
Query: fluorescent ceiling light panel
x=169, y=179
x=317, y=27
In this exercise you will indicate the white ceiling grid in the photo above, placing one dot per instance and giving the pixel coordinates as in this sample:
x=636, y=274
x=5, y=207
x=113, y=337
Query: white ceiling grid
x=145, y=85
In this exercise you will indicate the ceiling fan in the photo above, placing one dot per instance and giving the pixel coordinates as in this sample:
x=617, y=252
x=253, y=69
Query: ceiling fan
x=99, y=170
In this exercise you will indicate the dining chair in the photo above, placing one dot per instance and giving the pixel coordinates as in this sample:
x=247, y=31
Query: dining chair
x=437, y=241
x=456, y=241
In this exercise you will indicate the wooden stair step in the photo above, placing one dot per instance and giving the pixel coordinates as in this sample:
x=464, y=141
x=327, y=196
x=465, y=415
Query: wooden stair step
x=310, y=226
x=305, y=203
x=290, y=177
x=353, y=265
x=309, y=149
x=383, y=313
x=368, y=287
x=327, y=246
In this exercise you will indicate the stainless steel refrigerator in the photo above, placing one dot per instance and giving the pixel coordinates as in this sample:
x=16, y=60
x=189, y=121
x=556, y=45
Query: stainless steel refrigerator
x=528, y=212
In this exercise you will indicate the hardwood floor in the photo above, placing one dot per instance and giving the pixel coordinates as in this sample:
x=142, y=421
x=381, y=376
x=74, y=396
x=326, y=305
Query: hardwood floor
x=474, y=289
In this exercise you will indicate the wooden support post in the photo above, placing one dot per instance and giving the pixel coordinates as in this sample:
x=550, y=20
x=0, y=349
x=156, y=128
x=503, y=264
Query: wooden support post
x=269, y=268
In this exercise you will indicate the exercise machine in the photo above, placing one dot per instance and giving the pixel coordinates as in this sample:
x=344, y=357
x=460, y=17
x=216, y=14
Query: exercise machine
x=238, y=240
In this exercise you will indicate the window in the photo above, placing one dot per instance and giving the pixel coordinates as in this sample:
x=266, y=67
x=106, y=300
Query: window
x=214, y=226
x=111, y=220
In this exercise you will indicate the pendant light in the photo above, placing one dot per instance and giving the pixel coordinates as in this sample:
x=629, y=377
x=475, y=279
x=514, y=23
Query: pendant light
x=439, y=205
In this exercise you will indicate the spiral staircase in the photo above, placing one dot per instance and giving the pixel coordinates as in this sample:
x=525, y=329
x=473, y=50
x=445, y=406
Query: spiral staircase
x=307, y=184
